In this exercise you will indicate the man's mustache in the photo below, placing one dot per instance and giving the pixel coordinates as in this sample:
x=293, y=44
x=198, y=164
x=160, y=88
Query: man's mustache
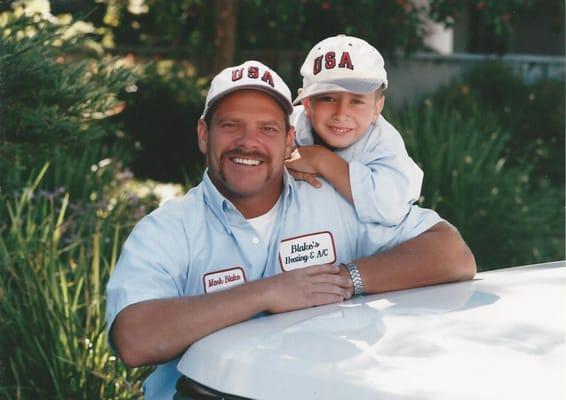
x=255, y=154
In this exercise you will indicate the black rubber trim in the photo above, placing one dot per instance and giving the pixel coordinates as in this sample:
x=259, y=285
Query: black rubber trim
x=197, y=391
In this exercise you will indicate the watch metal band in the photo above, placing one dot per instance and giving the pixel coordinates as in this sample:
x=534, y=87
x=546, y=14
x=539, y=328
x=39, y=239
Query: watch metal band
x=356, y=278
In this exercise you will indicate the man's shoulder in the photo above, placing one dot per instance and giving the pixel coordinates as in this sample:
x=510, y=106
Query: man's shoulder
x=179, y=211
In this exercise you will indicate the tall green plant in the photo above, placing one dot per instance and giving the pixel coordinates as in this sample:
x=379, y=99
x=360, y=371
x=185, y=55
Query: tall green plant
x=506, y=217
x=55, y=259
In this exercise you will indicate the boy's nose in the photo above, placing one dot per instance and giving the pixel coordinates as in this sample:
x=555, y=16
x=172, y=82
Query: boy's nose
x=341, y=110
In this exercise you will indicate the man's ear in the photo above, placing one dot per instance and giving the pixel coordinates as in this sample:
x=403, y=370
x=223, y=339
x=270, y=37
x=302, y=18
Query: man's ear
x=202, y=135
x=289, y=142
x=307, y=105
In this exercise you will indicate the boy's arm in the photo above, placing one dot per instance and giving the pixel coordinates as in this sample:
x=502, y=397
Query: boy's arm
x=318, y=160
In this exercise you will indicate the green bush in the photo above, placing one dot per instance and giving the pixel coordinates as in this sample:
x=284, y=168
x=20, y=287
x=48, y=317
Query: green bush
x=59, y=235
x=534, y=114
x=506, y=216
x=161, y=116
x=55, y=109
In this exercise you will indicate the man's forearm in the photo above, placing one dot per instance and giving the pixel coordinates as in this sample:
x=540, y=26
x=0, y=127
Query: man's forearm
x=156, y=331
x=438, y=255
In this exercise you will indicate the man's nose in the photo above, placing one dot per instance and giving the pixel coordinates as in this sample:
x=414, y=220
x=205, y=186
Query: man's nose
x=248, y=137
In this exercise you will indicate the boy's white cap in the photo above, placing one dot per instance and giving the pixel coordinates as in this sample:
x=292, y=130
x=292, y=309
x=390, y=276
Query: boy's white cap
x=342, y=64
x=249, y=75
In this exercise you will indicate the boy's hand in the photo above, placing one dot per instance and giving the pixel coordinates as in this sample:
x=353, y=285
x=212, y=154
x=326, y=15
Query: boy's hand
x=303, y=164
x=306, y=159
x=303, y=176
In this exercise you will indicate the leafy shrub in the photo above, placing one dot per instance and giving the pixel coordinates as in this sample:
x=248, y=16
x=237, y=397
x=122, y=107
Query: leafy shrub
x=534, y=114
x=161, y=116
x=506, y=217
x=54, y=108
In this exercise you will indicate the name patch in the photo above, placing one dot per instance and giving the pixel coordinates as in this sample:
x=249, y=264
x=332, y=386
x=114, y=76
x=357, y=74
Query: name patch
x=306, y=250
x=223, y=279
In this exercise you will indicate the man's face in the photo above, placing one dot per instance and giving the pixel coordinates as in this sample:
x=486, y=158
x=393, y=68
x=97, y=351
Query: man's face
x=246, y=145
x=341, y=118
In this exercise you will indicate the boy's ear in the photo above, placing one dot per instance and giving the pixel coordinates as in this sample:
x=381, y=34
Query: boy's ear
x=202, y=136
x=379, y=103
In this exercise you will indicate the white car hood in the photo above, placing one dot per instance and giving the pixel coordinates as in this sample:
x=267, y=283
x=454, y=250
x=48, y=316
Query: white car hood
x=499, y=336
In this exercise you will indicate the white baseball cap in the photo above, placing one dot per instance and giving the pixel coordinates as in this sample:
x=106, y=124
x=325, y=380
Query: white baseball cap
x=249, y=75
x=342, y=64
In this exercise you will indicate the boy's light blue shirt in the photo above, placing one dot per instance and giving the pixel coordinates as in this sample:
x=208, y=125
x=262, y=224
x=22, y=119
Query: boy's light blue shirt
x=384, y=180
x=200, y=243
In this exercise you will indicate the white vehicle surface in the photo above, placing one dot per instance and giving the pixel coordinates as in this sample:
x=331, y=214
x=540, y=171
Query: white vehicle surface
x=499, y=336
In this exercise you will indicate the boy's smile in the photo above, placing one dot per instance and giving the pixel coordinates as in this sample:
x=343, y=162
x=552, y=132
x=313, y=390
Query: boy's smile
x=341, y=118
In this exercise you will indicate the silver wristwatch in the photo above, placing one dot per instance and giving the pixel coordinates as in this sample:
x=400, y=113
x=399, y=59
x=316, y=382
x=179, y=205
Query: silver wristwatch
x=356, y=278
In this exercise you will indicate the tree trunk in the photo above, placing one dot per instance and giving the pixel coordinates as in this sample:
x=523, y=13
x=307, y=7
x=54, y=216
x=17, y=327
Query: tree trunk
x=226, y=18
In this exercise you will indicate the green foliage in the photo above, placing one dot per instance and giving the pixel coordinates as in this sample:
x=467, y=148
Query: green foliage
x=497, y=207
x=55, y=259
x=161, y=116
x=52, y=107
x=534, y=114
x=188, y=26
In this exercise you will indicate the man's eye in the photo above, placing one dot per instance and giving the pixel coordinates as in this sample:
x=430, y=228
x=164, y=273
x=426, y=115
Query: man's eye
x=229, y=125
x=271, y=129
x=327, y=99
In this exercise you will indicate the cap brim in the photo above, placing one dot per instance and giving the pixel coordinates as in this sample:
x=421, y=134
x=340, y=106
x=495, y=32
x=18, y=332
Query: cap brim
x=357, y=86
x=283, y=102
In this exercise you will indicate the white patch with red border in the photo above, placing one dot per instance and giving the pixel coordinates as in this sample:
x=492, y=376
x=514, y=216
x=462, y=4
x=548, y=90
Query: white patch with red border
x=223, y=279
x=306, y=250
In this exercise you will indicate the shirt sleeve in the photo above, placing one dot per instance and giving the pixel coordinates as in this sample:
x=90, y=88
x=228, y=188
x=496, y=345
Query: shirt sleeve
x=378, y=238
x=153, y=264
x=384, y=180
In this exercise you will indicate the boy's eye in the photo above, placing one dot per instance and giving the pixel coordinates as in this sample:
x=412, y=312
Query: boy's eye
x=358, y=101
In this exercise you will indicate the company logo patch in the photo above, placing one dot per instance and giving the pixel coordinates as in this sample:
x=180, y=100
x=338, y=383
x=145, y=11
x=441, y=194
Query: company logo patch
x=223, y=279
x=306, y=250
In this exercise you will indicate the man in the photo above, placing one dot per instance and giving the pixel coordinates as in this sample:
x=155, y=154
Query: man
x=250, y=240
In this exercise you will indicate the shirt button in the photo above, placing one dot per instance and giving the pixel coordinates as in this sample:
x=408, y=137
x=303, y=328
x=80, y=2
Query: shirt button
x=255, y=240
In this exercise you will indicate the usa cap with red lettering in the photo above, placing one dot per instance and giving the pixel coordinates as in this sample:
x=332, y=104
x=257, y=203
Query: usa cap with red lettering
x=249, y=75
x=342, y=64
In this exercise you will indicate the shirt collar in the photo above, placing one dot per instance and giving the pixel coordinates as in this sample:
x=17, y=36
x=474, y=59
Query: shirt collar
x=227, y=213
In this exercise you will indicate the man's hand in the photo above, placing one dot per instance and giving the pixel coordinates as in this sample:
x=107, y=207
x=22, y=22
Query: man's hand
x=307, y=287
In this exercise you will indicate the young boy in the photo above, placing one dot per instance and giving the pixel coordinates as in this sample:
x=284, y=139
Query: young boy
x=343, y=137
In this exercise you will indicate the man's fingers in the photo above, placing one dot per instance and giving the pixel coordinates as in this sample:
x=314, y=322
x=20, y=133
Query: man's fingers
x=333, y=279
x=322, y=269
x=324, y=298
x=326, y=288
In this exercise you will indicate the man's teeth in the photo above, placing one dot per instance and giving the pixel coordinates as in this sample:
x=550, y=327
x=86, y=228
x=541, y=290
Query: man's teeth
x=246, y=161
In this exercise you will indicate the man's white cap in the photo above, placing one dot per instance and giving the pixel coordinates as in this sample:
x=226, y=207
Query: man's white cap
x=250, y=75
x=342, y=64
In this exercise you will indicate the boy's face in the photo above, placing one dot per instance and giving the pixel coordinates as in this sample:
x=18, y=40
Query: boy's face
x=341, y=118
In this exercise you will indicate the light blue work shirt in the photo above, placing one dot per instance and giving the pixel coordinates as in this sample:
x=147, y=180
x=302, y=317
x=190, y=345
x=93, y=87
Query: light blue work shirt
x=384, y=180
x=200, y=243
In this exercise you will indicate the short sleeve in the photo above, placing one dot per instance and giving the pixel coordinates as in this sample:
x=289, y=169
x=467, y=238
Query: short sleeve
x=153, y=264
